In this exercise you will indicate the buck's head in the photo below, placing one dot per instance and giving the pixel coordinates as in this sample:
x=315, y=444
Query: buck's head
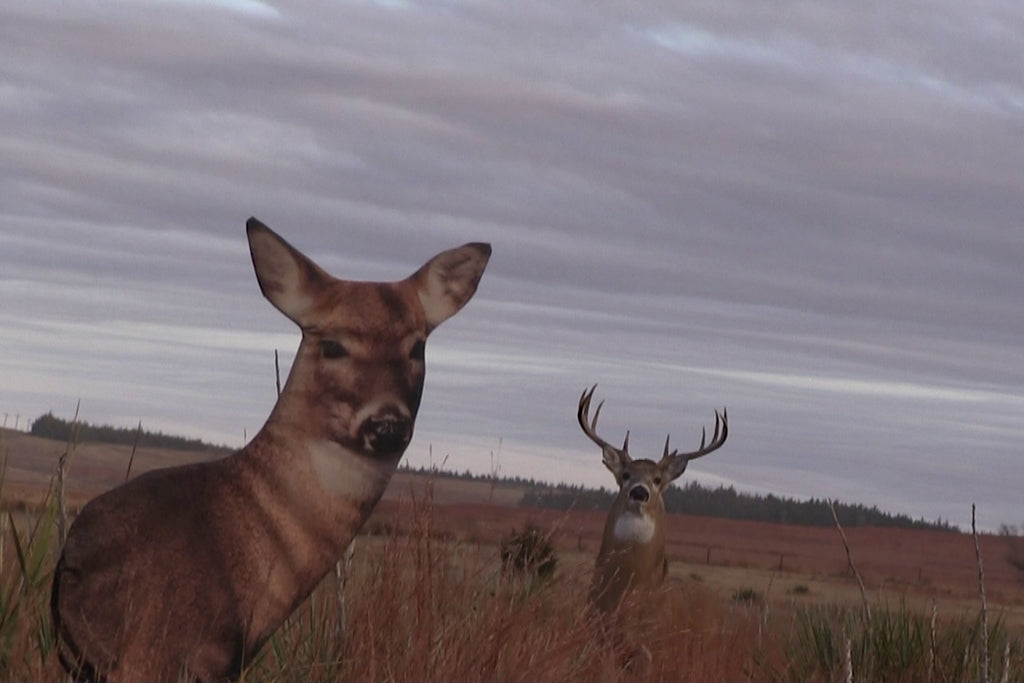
x=358, y=374
x=641, y=482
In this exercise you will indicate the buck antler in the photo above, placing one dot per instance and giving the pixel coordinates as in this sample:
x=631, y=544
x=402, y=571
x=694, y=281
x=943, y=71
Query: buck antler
x=717, y=439
x=590, y=426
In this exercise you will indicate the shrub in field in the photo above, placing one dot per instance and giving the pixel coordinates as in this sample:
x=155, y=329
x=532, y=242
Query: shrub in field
x=747, y=596
x=529, y=554
x=1014, y=547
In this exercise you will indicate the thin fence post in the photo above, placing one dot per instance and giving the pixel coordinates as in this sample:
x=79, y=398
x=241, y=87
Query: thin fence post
x=849, y=562
x=277, y=373
x=342, y=569
x=931, y=642
x=848, y=662
x=984, y=609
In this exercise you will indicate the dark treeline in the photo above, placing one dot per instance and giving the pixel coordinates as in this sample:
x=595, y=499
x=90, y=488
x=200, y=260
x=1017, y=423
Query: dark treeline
x=694, y=499
x=727, y=502
x=50, y=426
x=469, y=476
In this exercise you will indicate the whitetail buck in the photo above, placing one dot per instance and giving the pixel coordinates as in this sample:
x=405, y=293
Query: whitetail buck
x=633, y=548
x=185, y=572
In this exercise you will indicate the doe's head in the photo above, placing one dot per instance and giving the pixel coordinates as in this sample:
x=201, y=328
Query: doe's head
x=358, y=374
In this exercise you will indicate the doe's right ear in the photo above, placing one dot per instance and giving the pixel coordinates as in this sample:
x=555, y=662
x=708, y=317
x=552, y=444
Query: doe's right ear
x=448, y=281
x=288, y=279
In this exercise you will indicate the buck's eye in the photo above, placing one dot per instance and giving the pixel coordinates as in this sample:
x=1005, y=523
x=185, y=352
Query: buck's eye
x=332, y=349
x=657, y=481
x=418, y=350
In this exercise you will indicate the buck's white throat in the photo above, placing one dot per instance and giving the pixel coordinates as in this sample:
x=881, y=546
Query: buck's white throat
x=634, y=528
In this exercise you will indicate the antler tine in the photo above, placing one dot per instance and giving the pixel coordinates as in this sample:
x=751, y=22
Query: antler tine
x=588, y=425
x=665, y=453
x=717, y=439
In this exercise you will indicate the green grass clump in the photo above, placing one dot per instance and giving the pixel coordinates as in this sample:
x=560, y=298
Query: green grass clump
x=27, y=551
x=896, y=644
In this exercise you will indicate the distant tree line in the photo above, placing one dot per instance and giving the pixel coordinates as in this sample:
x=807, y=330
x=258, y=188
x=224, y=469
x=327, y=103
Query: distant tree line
x=50, y=426
x=728, y=503
x=694, y=499
x=438, y=473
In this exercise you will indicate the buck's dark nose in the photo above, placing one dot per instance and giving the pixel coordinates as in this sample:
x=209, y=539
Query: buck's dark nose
x=386, y=433
x=639, y=494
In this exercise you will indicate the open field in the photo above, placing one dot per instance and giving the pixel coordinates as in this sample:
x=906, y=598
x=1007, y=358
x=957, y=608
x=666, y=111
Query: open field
x=894, y=563
x=735, y=607
x=729, y=555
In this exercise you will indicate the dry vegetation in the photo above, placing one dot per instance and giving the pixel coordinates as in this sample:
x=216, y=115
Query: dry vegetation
x=426, y=596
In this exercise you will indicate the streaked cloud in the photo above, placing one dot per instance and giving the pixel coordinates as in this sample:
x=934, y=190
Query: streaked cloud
x=807, y=213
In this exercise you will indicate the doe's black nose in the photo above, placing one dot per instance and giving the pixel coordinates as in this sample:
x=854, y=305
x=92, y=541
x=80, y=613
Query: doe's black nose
x=386, y=434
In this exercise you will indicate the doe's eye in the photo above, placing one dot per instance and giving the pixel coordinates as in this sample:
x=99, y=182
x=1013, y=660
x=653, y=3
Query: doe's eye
x=418, y=350
x=625, y=476
x=332, y=349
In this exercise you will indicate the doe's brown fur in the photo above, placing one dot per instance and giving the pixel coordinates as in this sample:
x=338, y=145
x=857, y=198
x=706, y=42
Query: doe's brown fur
x=185, y=572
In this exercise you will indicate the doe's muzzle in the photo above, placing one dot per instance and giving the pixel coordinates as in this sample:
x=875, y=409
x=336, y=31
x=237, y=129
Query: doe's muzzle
x=386, y=433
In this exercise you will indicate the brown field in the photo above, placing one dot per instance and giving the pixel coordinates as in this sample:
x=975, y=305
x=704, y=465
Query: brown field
x=784, y=563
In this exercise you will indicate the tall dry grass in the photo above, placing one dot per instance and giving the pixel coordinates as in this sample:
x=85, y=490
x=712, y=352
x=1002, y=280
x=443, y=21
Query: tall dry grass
x=420, y=604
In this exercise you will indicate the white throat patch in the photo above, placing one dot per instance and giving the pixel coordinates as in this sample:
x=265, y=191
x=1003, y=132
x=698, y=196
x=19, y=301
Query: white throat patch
x=633, y=528
x=345, y=474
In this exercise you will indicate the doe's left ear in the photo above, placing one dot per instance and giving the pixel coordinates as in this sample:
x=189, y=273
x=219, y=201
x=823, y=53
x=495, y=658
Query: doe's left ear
x=448, y=281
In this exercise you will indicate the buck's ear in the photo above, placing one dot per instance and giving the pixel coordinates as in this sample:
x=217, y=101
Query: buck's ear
x=615, y=460
x=287, y=278
x=673, y=465
x=447, y=281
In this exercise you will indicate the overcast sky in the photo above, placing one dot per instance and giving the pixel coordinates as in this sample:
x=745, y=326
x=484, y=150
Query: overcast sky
x=811, y=213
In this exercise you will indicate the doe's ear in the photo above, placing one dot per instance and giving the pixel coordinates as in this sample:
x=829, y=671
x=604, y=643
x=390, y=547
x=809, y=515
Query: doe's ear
x=449, y=280
x=288, y=279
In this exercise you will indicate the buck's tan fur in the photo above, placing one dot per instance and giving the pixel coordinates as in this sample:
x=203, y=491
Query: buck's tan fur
x=632, y=551
x=631, y=561
x=186, y=571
